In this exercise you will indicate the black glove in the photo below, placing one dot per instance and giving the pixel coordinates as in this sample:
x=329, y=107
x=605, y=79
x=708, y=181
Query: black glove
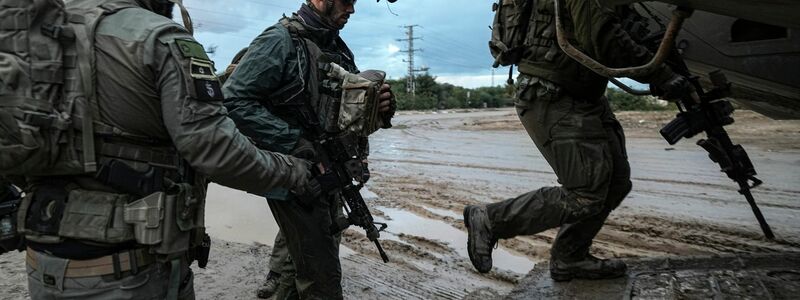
x=379, y=77
x=304, y=149
x=673, y=88
x=386, y=117
x=309, y=193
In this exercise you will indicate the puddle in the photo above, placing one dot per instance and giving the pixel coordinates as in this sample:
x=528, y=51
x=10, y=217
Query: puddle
x=409, y=223
x=444, y=212
x=240, y=217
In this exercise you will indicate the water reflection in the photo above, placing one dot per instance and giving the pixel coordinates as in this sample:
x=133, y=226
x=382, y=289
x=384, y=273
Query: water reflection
x=408, y=223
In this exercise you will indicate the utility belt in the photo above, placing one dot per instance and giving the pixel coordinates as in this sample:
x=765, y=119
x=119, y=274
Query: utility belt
x=157, y=205
x=117, y=264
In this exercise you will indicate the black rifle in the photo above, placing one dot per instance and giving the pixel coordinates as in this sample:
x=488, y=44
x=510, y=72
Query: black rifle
x=708, y=113
x=345, y=173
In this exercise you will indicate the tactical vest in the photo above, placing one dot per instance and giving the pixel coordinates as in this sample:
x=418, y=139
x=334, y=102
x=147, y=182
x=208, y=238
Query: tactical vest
x=329, y=94
x=141, y=192
x=537, y=52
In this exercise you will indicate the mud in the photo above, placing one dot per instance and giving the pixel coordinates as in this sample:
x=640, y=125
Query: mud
x=429, y=166
x=742, y=276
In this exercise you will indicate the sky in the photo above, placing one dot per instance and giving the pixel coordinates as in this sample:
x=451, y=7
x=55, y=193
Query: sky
x=453, y=34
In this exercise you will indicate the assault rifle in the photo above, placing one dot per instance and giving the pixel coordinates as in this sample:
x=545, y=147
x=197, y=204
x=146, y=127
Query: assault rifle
x=345, y=173
x=705, y=111
x=710, y=115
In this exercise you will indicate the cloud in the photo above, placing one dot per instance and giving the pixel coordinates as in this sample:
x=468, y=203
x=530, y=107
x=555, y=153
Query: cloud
x=452, y=34
x=393, y=49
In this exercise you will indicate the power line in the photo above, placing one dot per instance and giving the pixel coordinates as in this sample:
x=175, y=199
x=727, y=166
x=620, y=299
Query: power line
x=410, y=86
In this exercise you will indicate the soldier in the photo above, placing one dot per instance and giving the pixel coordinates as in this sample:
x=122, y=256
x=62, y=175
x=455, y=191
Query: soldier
x=162, y=132
x=562, y=107
x=276, y=70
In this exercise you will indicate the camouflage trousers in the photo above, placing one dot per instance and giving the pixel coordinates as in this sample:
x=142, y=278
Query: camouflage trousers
x=585, y=145
x=306, y=250
x=48, y=281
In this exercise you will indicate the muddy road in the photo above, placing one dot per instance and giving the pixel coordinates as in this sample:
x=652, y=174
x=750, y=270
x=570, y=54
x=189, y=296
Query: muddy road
x=430, y=165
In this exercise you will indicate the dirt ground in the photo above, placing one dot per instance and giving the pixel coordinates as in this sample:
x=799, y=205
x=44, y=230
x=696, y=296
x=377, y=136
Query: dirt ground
x=430, y=165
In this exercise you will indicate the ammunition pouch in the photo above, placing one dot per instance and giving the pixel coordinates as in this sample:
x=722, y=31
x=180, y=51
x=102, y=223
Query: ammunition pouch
x=169, y=220
x=51, y=213
x=355, y=101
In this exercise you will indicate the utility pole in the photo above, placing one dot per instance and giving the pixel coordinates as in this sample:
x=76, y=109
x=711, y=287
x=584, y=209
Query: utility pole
x=410, y=85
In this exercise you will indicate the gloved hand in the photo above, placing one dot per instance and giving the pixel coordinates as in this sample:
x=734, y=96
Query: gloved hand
x=309, y=193
x=304, y=149
x=672, y=88
x=307, y=188
x=387, y=106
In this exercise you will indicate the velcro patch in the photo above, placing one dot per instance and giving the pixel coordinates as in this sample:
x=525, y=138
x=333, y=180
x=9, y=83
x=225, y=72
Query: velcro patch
x=202, y=69
x=208, y=89
x=191, y=49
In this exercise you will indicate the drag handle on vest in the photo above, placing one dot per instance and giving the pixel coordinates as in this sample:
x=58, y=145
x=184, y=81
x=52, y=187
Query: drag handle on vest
x=123, y=178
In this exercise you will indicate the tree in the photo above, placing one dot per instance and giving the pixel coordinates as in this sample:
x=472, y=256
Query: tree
x=620, y=100
x=432, y=95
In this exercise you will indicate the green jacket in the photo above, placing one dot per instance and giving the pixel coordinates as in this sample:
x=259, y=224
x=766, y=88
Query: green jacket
x=273, y=62
x=596, y=31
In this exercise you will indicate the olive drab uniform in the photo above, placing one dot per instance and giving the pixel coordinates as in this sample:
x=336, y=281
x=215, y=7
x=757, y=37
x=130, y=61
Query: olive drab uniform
x=561, y=105
x=278, y=75
x=131, y=229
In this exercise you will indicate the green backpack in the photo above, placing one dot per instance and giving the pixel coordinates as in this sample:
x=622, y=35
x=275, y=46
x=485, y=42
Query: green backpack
x=47, y=96
x=509, y=30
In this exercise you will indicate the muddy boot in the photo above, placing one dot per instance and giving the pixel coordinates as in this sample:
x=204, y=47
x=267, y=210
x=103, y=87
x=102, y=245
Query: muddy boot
x=270, y=286
x=480, y=241
x=589, y=268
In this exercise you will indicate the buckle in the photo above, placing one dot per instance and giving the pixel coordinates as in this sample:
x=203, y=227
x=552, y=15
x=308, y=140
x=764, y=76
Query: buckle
x=59, y=32
x=38, y=119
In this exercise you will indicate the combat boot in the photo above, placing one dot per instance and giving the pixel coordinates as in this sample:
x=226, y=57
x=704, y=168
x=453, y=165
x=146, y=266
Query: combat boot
x=270, y=286
x=590, y=267
x=480, y=241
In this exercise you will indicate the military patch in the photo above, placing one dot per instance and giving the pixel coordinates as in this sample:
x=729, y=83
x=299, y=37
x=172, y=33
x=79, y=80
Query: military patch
x=202, y=69
x=191, y=49
x=207, y=89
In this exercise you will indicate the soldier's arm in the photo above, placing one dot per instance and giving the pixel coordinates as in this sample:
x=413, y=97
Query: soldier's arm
x=202, y=133
x=612, y=45
x=261, y=72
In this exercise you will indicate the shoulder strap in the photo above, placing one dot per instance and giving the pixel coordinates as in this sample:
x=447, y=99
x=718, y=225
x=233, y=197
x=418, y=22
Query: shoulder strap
x=84, y=24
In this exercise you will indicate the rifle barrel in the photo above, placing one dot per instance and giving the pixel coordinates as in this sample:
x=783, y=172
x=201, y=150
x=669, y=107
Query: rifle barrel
x=380, y=250
x=744, y=189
